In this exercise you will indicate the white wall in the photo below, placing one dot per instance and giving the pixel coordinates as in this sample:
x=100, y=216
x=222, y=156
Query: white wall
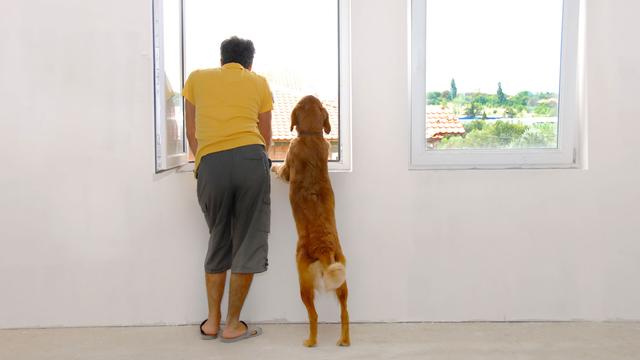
x=89, y=236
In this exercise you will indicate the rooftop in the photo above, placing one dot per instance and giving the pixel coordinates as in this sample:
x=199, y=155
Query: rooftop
x=284, y=100
x=442, y=122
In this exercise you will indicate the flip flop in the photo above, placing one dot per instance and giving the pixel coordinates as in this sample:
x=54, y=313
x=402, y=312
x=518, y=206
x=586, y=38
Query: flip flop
x=250, y=333
x=204, y=336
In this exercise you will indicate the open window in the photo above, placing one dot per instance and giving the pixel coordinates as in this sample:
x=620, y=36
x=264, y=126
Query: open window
x=170, y=139
x=302, y=48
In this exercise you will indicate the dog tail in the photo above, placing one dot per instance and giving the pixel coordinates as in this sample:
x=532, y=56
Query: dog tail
x=333, y=272
x=334, y=276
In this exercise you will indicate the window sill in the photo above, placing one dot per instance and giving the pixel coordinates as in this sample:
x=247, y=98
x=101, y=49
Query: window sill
x=334, y=167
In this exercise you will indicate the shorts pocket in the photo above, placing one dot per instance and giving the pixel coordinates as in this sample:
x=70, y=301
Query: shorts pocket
x=259, y=155
x=264, y=222
x=266, y=206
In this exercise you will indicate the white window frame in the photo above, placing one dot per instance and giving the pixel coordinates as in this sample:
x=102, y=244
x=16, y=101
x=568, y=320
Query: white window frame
x=564, y=156
x=165, y=162
x=344, y=105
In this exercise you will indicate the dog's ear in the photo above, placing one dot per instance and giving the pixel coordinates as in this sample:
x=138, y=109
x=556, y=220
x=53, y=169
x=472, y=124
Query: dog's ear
x=294, y=117
x=326, y=124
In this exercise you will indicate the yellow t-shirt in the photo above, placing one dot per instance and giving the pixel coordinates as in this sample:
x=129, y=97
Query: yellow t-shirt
x=228, y=101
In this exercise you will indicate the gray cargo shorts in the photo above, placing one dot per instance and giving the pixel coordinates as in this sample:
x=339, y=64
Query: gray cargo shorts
x=234, y=192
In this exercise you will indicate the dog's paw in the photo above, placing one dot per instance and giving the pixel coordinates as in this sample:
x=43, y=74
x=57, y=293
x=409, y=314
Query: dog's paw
x=343, y=342
x=310, y=343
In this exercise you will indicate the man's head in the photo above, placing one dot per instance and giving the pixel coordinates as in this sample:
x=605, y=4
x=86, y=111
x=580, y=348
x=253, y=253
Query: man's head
x=236, y=50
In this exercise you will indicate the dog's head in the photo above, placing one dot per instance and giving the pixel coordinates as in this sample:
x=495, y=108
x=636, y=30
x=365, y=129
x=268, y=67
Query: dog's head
x=309, y=116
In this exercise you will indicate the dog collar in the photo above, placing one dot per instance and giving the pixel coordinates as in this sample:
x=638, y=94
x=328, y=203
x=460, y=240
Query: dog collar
x=309, y=133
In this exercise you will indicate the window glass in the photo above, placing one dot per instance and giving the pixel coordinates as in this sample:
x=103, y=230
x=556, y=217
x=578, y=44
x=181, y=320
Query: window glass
x=492, y=73
x=173, y=77
x=296, y=50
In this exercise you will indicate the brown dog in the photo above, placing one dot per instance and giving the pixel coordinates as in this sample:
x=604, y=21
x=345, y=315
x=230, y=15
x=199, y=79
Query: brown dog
x=321, y=263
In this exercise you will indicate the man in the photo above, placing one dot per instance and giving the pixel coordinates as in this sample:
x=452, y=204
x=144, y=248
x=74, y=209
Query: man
x=228, y=112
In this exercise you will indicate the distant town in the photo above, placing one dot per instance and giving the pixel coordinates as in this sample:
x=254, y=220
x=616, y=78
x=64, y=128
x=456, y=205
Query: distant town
x=475, y=120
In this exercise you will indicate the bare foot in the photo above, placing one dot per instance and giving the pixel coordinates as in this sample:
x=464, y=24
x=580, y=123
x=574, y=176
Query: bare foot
x=234, y=330
x=210, y=328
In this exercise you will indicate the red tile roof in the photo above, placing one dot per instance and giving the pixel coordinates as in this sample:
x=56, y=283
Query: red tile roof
x=284, y=100
x=442, y=122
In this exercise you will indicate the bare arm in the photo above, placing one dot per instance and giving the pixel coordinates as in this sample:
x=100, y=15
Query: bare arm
x=264, y=125
x=191, y=126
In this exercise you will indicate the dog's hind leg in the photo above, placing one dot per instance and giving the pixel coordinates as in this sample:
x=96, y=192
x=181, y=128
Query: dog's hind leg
x=306, y=292
x=342, y=292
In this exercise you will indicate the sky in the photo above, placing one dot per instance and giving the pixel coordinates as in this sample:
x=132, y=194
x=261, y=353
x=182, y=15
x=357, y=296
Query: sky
x=481, y=43
x=171, y=34
x=296, y=41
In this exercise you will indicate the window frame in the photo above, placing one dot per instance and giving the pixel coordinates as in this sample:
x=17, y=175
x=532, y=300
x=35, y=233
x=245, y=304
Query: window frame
x=344, y=88
x=564, y=156
x=164, y=161
x=180, y=161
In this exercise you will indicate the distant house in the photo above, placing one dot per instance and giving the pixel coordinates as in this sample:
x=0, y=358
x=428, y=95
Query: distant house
x=441, y=122
x=284, y=100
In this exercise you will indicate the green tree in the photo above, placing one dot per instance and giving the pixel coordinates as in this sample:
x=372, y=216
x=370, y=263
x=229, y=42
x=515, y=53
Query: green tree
x=474, y=125
x=446, y=96
x=482, y=139
x=510, y=112
x=502, y=98
x=483, y=135
x=434, y=98
x=482, y=99
x=472, y=109
x=522, y=98
x=453, y=93
x=507, y=132
x=459, y=104
x=543, y=109
x=538, y=136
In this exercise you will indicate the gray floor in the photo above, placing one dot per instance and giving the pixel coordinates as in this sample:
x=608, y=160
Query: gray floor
x=372, y=341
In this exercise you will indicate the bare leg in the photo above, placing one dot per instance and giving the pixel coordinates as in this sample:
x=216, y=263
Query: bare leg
x=306, y=293
x=215, y=290
x=342, y=292
x=239, y=288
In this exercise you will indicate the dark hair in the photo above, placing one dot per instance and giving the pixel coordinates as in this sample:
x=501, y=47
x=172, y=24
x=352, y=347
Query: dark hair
x=237, y=50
